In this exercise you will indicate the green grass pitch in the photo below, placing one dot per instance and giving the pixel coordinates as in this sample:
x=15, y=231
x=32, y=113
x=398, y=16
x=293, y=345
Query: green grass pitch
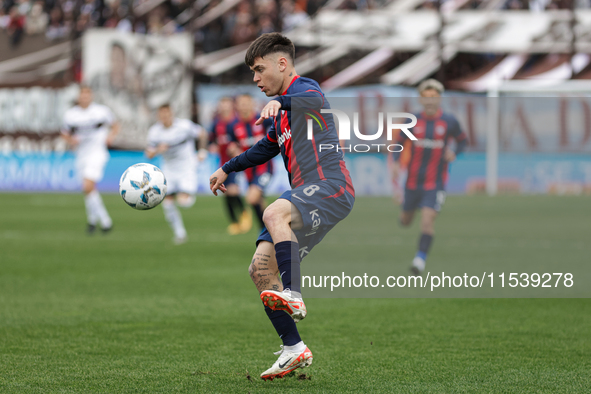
x=130, y=312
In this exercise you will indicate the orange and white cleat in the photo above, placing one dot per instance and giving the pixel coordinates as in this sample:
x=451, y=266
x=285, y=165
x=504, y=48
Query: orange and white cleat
x=287, y=362
x=283, y=301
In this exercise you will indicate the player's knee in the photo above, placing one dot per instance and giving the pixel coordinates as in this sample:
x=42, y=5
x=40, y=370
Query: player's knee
x=87, y=187
x=274, y=215
x=253, y=197
x=186, y=201
x=405, y=220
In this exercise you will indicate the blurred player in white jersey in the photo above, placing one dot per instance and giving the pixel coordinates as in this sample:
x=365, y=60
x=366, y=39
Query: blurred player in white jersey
x=89, y=128
x=174, y=139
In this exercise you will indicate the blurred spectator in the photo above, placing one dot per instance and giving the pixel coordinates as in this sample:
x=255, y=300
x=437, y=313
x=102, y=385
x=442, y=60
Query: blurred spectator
x=4, y=18
x=56, y=29
x=16, y=26
x=293, y=15
x=37, y=19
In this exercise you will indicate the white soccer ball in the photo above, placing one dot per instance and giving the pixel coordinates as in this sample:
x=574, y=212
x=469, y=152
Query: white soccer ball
x=142, y=186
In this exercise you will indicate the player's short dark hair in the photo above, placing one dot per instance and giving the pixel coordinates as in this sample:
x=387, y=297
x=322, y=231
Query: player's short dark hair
x=85, y=86
x=267, y=44
x=164, y=106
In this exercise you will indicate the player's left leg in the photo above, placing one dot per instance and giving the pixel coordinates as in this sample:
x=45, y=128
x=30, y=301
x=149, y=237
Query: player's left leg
x=255, y=198
x=280, y=218
x=431, y=205
x=294, y=354
x=92, y=169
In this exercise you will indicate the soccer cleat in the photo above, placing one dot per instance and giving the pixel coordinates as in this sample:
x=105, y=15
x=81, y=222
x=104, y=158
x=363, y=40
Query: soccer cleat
x=234, y=229
x=90, y=229
x=283, y=301
x=245, y=222
x=287, y=362
x=179, y=240
x=107, y=230
x=418, y=265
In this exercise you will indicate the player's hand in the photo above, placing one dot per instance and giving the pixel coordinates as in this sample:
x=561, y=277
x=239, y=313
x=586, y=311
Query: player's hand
x=73, y=141
x=216, y=181
x=449, y=155
x=233, y=149
x=271, y=110
x=110, y=140
x=202, y=154
x=161, y=148
x=395, y=172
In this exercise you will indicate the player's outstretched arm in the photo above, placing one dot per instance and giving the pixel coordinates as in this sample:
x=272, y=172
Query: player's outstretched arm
x=216, y=181
x=115, y=128
x=271, y=110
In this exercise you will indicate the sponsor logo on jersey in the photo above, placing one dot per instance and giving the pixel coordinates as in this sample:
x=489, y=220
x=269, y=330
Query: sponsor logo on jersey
x=284, y=137
x=430, y=144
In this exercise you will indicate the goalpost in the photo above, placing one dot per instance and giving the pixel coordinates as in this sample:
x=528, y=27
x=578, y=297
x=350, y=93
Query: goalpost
x=537, y=88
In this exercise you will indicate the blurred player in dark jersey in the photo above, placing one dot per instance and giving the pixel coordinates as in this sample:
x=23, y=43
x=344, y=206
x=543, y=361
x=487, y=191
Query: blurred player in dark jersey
x=248, y=133
x=222, y=135
x=427, y=165
x=321, y=192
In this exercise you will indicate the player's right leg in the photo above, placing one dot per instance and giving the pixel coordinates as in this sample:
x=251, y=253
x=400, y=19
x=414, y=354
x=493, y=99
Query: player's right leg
x=174, y=218
x=91, y=169
x=264, y=273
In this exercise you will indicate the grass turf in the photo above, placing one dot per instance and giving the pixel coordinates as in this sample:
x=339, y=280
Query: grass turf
x=129, y=312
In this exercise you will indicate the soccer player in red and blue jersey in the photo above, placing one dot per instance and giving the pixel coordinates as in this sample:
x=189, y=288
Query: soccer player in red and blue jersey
x=248, y=133
x=222, y=135
x=321, y=192
x=428, y=165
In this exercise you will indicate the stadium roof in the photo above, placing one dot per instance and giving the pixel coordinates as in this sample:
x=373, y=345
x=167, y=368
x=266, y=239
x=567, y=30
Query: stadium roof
x=431, y=37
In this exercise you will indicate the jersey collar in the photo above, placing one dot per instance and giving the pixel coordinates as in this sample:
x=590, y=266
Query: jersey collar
x=292, y=81
x=436, y=116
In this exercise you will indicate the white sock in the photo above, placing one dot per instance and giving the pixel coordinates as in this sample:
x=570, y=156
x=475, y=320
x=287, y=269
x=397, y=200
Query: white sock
x=174, y=219
x=100, y=210
x=91, y=215
x=297, y=348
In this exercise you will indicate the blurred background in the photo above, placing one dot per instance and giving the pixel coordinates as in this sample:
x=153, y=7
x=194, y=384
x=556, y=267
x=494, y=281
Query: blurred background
x=516, y=74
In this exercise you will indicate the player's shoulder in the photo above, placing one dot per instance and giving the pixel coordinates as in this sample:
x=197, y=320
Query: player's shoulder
x=185, y=123
x=449, y=118
x=72, y=111
x=155, y=128
x=303, y=84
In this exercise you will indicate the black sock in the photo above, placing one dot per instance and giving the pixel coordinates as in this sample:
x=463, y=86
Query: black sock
x=237, y=201
x=231, y=212
x=285, y=326
x=258, y=210
x=424, y=245
x=289, y=264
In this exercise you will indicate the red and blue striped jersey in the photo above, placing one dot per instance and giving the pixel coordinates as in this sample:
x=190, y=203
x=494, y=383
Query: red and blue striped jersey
x=427, y=167
x=247, y=134
x=222, y=134
x=304, y=161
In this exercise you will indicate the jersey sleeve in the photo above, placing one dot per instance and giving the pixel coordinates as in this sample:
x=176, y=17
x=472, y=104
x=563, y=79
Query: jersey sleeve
x=400, y=140
x=152, y=137
x=456, y=132
x=260, y=153
x=194, y=130
x=109, y=117
x=310, y=98
x=67, y=127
